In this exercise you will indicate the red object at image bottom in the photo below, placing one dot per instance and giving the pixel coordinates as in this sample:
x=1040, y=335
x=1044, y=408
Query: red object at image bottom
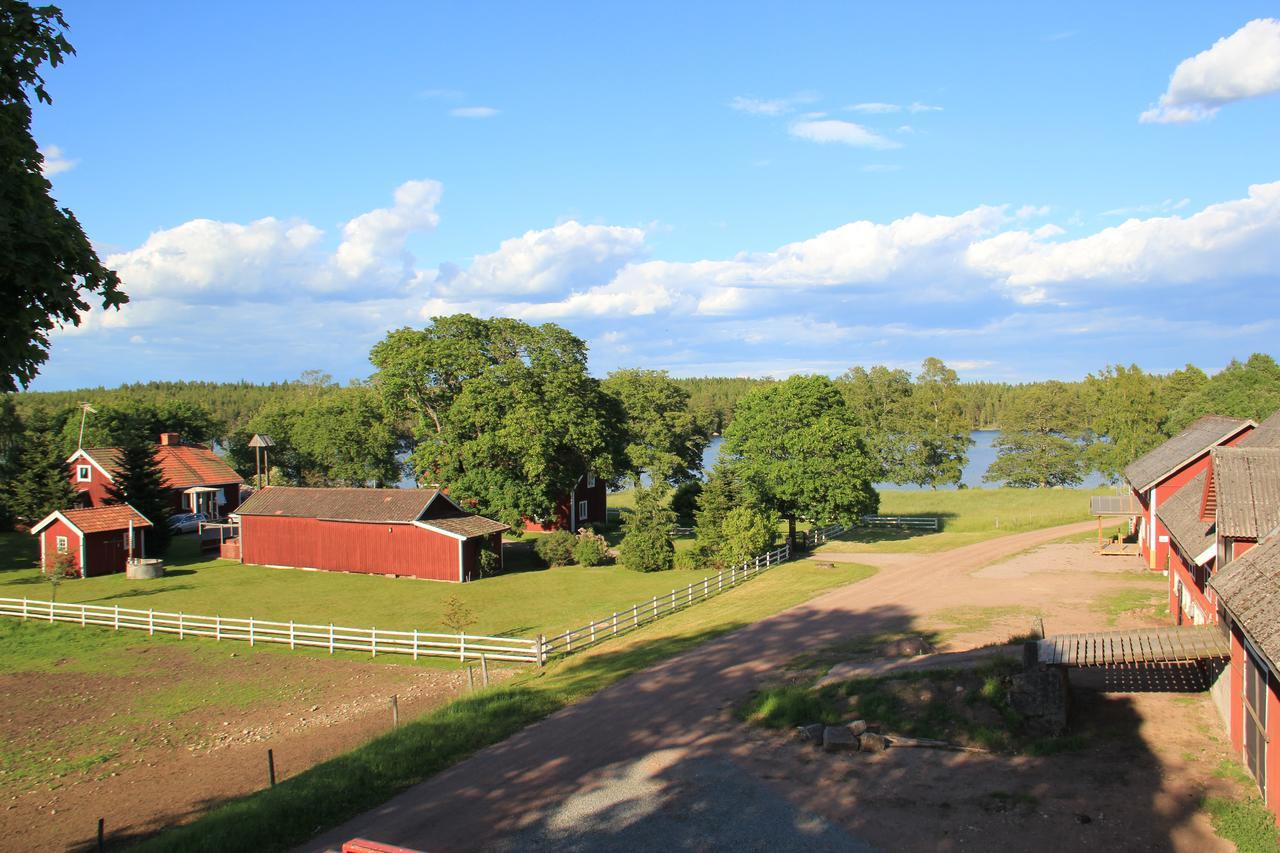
x=364, y=845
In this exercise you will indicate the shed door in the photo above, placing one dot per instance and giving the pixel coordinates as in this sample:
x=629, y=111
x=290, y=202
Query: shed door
x=1255, y=718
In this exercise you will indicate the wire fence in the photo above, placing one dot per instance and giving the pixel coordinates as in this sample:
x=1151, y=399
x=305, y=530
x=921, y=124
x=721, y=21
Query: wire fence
x=293, y=634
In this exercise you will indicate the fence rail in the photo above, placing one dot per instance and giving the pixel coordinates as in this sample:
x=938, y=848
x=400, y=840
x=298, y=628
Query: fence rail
x=906, y=521
x=293, y=634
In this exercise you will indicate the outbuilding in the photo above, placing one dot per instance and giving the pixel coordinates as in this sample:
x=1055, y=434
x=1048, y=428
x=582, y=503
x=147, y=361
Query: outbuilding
x=98, y=540
x=407, y=532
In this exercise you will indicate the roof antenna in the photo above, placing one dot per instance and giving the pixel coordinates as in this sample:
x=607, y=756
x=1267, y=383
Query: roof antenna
x=85, y=409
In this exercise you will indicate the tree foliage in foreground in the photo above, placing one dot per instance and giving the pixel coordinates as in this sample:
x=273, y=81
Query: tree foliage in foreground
x=800, y=453
x=47, y=265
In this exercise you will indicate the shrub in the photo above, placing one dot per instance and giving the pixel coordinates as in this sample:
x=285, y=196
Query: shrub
x=556, y=549
x=489, y=563
x=684, y=503
x=647, y=550
x=746, y=533
x=591, y=549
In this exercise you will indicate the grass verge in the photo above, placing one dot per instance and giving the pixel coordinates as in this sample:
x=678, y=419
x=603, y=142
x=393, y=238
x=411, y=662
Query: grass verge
x=1245, y=821
x=329, y=793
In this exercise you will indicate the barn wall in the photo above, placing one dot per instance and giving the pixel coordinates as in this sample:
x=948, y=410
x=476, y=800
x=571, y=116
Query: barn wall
x=95, y=490
x=49, y=541
x=343, y=546
x=108, y=551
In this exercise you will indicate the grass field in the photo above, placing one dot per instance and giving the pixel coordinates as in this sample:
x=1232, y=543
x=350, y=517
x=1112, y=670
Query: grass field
x=968, y=516
x=277, y=818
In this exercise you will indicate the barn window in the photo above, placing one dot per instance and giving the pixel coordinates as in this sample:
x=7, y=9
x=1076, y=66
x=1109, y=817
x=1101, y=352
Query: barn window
x=591, y=481
x=583, y=512
x=83, y=474
x=62, y=544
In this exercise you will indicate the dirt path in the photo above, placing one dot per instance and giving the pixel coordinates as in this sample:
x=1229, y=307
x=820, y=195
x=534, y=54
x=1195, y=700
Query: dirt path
x=516, y=787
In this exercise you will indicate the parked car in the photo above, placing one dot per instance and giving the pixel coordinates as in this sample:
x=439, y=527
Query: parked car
x=186, y=522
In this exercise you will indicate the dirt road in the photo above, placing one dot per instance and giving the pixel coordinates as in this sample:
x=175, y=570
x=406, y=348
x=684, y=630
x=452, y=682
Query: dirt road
x=675, y=709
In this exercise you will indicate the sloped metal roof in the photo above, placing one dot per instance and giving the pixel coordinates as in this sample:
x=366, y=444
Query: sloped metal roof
x=1180, y=514
x=1153, y=466
x=1247, y=480
x=1249, y=587
x=1127, y=505
x=1266, y=434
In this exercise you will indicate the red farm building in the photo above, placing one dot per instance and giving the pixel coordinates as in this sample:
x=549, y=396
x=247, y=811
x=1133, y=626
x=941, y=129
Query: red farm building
x=99, y=540
x=1157, y=475
x=197, y=478
x=405, y=532
x=587, y=503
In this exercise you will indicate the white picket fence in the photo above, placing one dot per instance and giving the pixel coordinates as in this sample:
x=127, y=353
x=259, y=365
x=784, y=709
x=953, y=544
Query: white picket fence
x=903, y=521
x=293, y=634
x=644, y=612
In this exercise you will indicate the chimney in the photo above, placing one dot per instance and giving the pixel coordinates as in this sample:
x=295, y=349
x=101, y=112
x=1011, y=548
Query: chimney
x=170, y=439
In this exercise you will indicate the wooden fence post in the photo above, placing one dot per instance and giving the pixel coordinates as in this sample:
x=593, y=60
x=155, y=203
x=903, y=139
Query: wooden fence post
x=542, y=650
x=615, y=623
x=180, y=625
x=117, y=624
x=330, y=638
x=250, y=631
x=415, y=643
x=635, y=616
x=291, y=634
x=373, y=642
x=484, y=670
x=217, y=628
x=395, y=712
x=151, y=623
x=24, y=608
x=271, y=767
x=83, y=609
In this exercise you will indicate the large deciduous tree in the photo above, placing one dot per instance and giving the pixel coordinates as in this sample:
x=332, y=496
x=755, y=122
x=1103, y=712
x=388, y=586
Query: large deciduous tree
x=662, y=437
x=879, y=400
x=800, y=452
x=937, y=445
x=47, y=265
x=504, y=413
x=1248, y=389
x=1039, y=441
x=1126, y=413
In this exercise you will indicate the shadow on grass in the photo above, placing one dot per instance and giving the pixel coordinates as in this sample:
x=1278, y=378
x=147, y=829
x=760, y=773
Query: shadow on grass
x=139, y=593
x=18, y=552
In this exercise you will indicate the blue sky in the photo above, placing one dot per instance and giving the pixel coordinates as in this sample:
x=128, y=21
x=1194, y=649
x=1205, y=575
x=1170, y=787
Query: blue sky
x=729, y=189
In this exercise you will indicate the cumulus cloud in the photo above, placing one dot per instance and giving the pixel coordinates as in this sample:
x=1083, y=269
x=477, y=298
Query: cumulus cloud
x=473, y=112
x=1245, y=64
x=840, y=132
x=55, y=161
x=876, y=107
x=376, y=239
x=771, y=106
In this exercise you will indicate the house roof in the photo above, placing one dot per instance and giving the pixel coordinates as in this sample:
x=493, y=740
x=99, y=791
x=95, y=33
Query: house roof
x=1155, y=465
x=1249, y=587
x=1267, y=434
x=97, y=519
x=388, y=506
x=1247, y=483
x=465, y=525
x=1180, y=515
x=182, y=465
x=1126, y=505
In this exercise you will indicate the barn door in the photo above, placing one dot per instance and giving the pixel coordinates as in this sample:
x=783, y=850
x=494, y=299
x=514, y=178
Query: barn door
x=1255, y=718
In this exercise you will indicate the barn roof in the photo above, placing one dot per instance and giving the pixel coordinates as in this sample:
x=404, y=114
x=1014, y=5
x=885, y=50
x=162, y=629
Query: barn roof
x=97, y=519
x=389, y=506
x=1249, y=587
x=1152, y=467
x=1247, y=482
x=1126, y=505
x=466, y=525
x=182, y=465
x=1267, y=434
x=1180, y=515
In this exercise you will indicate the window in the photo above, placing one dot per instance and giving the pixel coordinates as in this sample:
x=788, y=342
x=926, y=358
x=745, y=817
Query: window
x=583, y=511
x=591, y=481
x=1255, y=717
x=83, y=474
x=62, y=544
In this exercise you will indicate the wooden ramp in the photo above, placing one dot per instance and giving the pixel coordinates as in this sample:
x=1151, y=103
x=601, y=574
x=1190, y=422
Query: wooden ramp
x=1136, y=646
x=1119, y=549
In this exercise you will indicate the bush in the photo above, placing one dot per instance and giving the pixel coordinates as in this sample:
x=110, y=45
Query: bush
x=591, y=549
x=556, y=549
x=746, y=533
x=489, y=562
x=647, y=549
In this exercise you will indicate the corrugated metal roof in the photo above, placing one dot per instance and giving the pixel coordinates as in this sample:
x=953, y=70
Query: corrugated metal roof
x=1153, y=466
x=466, y=525
x=182, y=465
x=1180, y=514
x=108, y=517
x=1267, y=434
x=376, y=505
x=1247, y=481
x=1249, y=587
x=1114, y=505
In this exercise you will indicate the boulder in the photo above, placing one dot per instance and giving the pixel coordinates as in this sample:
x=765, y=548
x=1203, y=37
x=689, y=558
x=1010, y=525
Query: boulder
x=811, y=733
x=872, y=743
x=839, y=739
x=858, y=726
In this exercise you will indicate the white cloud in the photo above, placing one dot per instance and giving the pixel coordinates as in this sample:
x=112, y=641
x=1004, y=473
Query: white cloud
x=473, y=112
x=771, y=106
x=1167, y=206
x=1245, y=64
x=376, y=239
x=55, y=161
x=876, y=107
x=841, y=132
x=918, y=107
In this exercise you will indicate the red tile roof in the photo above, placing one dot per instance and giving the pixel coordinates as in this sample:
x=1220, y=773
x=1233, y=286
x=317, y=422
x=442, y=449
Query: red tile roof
x=182, y=465
x=109, y=517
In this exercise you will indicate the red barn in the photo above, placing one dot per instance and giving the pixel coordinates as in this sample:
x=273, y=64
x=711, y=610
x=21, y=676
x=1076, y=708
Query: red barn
x=1192, y=548
x=197, y=478
x=1157, y=475
x=99, y=540
x=417, y=533
x=587, y=503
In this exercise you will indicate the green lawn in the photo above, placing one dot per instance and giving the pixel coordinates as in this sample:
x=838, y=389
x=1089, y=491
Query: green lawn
x=968, y=516
x=523, y=603
x=325, y=795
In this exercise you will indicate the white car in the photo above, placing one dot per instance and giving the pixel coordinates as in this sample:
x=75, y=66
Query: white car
x=186, y=522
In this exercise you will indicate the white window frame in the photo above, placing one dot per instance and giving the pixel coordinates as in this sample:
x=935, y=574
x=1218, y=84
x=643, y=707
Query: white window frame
x=584, y=511
x=591, y=481
x=84, y=473
x=62, y=545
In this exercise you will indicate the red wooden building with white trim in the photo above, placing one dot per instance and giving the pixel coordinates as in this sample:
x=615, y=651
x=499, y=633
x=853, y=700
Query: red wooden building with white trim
x=587, y=503
x=418, y=533
x=99, y=540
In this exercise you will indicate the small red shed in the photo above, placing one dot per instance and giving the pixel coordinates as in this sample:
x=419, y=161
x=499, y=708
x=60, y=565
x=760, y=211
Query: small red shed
x=99, y=539
x=410, y=532
x=587, y=503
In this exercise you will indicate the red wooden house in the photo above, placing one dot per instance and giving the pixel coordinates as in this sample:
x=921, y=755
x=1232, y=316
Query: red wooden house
x=198, y=479
x=1192, y=548
x=405, y=532
x=1157, y=475
x=98, y=540
x=586, y=504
